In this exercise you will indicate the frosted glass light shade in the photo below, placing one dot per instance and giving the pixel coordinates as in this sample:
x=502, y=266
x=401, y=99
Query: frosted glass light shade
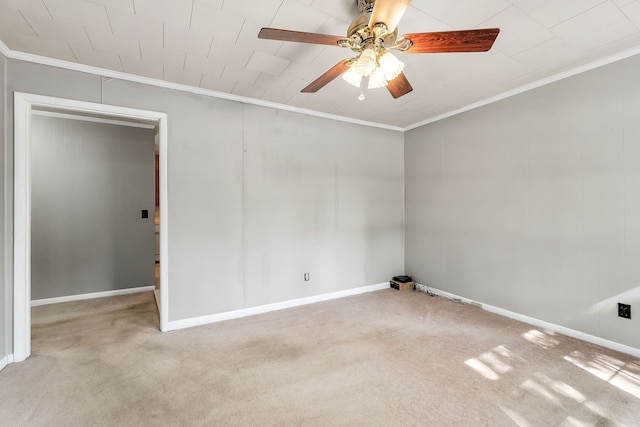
x=352, y=77
x=377, y=79
x=380, y=70
x=391, y=66
x=366, y=63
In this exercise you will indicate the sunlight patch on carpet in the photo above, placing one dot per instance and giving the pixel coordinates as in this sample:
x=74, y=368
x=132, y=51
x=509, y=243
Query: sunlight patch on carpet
x=609, y=369
x=482, y=369
x=542, y=339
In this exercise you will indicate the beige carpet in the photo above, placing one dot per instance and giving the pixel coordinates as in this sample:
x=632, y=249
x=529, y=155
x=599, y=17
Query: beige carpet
x=384, y=358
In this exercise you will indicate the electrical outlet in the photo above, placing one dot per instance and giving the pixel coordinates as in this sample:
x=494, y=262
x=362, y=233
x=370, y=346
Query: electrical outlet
x=306, y=277
x=624, y=310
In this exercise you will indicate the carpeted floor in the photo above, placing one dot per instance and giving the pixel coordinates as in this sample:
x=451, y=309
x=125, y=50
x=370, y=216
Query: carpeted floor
x=384, y=358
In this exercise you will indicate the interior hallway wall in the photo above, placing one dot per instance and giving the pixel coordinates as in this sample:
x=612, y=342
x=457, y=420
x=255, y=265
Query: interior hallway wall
x=89, y=183
x=532, y=204
x=225, y=162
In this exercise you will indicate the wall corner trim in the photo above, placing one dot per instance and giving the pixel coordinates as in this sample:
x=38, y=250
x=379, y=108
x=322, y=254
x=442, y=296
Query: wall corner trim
x=121, y=75
x=537, y=322
x=236, y=314
x=4, y=49
x=232, y=97
x=79, y=297
x=531, y=86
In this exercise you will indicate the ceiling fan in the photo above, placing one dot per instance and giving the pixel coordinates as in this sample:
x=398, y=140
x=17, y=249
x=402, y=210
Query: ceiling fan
x=372, y=35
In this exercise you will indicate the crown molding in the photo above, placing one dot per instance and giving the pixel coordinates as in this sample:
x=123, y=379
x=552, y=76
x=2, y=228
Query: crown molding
x=246, y=100
x=543, y=82
x=73, y=66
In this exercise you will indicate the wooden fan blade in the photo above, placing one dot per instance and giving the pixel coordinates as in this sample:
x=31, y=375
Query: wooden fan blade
x=327, y=77
x=298, y=36
x=399, y=86
x=388, y=12
x=452, y=41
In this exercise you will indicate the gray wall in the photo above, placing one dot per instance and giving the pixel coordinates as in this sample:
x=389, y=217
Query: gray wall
x=258, y=197
x=236, y=172
x=89, y=182
x=4, y=280
x=532, y=204
x=330, y=202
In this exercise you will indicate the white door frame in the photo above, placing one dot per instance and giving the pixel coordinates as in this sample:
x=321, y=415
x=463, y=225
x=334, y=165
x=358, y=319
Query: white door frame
x=24, y=106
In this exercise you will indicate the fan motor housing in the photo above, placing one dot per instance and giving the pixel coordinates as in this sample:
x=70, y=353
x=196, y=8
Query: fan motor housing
x=359, y=27
x=358, y=24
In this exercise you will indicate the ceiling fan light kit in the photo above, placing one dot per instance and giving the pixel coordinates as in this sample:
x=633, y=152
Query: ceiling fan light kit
x=377, y=79
x=391, y=66
x=379, y=67
x=371, y=35
x=352, y=77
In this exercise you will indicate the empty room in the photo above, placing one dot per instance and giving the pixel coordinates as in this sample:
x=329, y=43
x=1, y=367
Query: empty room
x=320, y=212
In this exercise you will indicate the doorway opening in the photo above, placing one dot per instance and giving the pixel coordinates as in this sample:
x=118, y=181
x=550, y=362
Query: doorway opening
x=25, y=107
x=156, y=222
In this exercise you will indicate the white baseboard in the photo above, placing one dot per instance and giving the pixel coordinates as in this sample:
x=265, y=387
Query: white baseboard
x=537, y=322
x=79, y=297
x=229, y=315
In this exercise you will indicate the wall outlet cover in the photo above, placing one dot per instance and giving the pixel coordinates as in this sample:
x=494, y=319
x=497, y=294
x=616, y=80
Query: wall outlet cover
x=624, y=311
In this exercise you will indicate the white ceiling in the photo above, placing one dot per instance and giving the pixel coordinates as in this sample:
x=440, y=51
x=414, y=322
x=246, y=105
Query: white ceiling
x=213, y=44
